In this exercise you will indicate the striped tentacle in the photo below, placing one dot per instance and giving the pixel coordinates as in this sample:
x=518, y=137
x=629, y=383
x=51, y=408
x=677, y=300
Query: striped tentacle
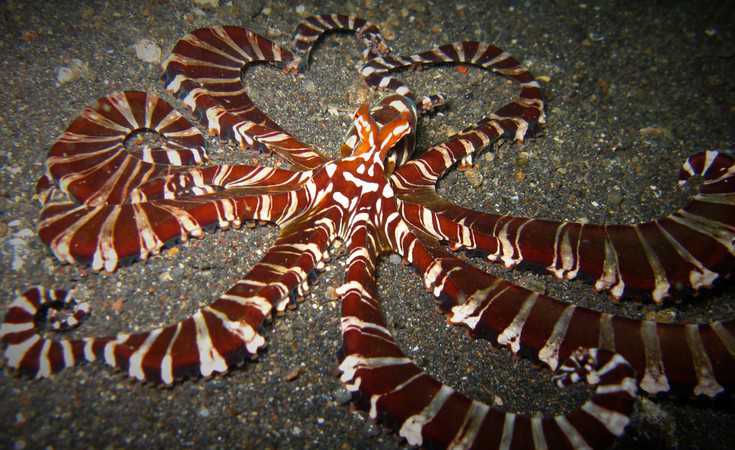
x=690, y=248
x=28, y=351
x=690, y=356
x=106, y=235
x=90, y=162
x=213, y=340
x=204, y=70
x=418, y=177
x=444, y=229
x=238, y=178
x=312, y=28
x=514, y=119
x=427, y=412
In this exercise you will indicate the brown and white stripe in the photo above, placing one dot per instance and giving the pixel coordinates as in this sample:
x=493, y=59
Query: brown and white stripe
x=90, y=162
x=104, y=204
x=690, y=248
x=204, y=71
x=312, y=28
x=698, y=358
x=428, y=413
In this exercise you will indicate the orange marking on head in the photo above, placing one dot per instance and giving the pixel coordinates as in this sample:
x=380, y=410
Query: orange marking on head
x=367, y=130
x=393, y=132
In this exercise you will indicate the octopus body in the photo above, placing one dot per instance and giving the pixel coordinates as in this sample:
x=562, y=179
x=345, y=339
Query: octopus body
x=104, y=205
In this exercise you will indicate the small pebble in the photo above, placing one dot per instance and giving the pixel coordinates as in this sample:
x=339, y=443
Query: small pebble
x=655, y=132
x=395, y=258
x=309, y=86
x=292, y=375
x=165, y=276
x=667, y=315
x=614, y=198
x=207, y=3
x=66, y=75
x=75, y=70
x=332, y=293
x=148, y=51
x=296, y=431
x=343, y=396
x=474, y=177
x=371, y=430
x=30, y=36
x=204, y=412
x=522, y=159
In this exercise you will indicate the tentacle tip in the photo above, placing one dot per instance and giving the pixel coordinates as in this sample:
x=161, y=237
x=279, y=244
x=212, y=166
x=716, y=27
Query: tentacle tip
x=297, y=66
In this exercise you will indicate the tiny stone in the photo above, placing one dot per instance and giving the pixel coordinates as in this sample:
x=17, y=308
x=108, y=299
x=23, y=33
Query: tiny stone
x=371, y=430
x=66, y=75
x=296, y=431
x=332, y=293
x=474, y=177
x=204, y=412
x=667, y=315
x=343, y=396
x=395, y=258
x=614, y=198
x=309, y=86
x=207, y=3
x=249, y=8
x=292, y=375
x=522, y=159
x=148, y=51
x=655, y=132
x=76, y=69
x=165, y=276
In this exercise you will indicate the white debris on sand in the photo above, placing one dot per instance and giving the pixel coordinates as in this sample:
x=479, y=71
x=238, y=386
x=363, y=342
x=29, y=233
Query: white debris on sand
x=148, y=51
x=17, y=246
x=76, y=69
